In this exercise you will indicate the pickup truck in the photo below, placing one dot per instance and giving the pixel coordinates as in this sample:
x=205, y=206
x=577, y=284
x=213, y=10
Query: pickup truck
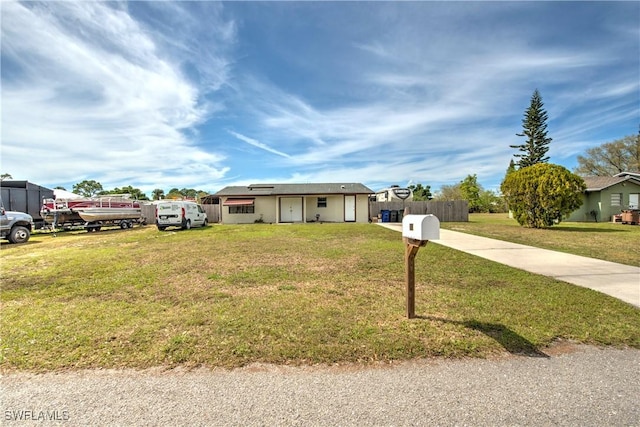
x=15, y=226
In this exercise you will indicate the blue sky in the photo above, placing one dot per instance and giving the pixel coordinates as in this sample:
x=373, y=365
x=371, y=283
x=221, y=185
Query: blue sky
x=204, y=95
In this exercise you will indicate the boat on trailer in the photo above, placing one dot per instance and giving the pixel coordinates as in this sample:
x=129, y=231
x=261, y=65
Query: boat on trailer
x=92, y=213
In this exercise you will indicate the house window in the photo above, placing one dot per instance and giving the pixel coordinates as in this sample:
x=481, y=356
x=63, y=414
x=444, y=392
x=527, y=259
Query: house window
x=322, y=202
x=242, y=209
x=616, y=199
x=634, y=201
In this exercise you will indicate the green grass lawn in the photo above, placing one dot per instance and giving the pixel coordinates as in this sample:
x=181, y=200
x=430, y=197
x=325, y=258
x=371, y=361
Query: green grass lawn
x=288, y=294
x=604, y=240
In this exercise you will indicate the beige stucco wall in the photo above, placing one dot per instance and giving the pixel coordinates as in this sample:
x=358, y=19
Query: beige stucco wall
x=334, y=212
x=265, y=207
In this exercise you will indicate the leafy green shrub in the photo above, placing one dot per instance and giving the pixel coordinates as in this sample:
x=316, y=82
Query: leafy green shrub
x=542, y=194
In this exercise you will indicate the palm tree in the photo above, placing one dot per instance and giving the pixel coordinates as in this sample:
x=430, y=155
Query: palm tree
x=157, y=194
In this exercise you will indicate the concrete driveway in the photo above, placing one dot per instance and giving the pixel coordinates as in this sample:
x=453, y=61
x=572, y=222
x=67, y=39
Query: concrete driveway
x=617, y=280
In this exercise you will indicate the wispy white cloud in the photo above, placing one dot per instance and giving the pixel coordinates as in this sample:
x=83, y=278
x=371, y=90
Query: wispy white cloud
x=93, y=95
x=149, y=92
x=449, y=103
x=258, y=144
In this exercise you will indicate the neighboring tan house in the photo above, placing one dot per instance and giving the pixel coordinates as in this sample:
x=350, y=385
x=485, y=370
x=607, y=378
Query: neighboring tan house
x=389, y=195
x=288, y=203
x=606, y=196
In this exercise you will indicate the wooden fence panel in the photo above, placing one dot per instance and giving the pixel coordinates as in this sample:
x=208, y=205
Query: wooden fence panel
x=449, y=211
x=213, y=213
x=149, y=213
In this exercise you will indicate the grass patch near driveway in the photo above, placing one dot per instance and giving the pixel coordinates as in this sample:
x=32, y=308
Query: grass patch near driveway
x=289, y=294
x=603, y=240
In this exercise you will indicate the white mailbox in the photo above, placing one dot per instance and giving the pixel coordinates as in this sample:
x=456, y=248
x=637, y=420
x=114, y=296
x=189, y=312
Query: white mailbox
x=421, y=227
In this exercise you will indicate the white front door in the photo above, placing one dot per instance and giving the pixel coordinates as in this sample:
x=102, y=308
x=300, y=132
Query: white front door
x=633, y=201
x=291, y=209
x=349, y=208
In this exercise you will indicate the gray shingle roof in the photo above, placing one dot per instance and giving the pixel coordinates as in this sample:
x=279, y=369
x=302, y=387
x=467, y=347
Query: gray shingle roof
x=294, y=189
x=597, y=183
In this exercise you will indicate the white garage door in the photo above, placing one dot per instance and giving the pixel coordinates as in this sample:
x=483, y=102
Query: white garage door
x=291, y=209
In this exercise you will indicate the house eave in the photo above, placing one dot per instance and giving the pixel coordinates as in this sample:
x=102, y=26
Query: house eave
x=294, y=190
x=619, y=180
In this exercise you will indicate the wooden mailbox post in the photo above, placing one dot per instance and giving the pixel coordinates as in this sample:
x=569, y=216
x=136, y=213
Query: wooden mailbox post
x=417, y=230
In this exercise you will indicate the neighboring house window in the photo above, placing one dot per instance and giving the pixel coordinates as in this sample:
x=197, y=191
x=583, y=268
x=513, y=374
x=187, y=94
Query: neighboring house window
x=634, y=201
x=616, y=199
x=241, y=209
x=322, y=202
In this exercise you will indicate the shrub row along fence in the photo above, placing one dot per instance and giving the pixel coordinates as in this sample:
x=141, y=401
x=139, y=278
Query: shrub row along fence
x=450, y=211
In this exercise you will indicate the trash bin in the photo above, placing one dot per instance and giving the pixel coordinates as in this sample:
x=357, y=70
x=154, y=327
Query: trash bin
x=385, y=215
x=393, y=216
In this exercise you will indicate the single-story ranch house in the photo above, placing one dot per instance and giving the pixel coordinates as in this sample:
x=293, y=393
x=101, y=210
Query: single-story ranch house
x=607, y=196
x=288, y=203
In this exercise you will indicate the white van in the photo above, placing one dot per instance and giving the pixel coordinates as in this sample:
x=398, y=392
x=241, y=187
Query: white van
x=179, y=213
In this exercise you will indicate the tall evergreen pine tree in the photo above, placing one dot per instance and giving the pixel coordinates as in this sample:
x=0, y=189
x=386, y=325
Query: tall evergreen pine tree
x=534, y=126
x=511, y=168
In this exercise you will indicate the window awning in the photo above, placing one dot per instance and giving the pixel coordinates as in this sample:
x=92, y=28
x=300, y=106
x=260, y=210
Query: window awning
x=238, y=202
